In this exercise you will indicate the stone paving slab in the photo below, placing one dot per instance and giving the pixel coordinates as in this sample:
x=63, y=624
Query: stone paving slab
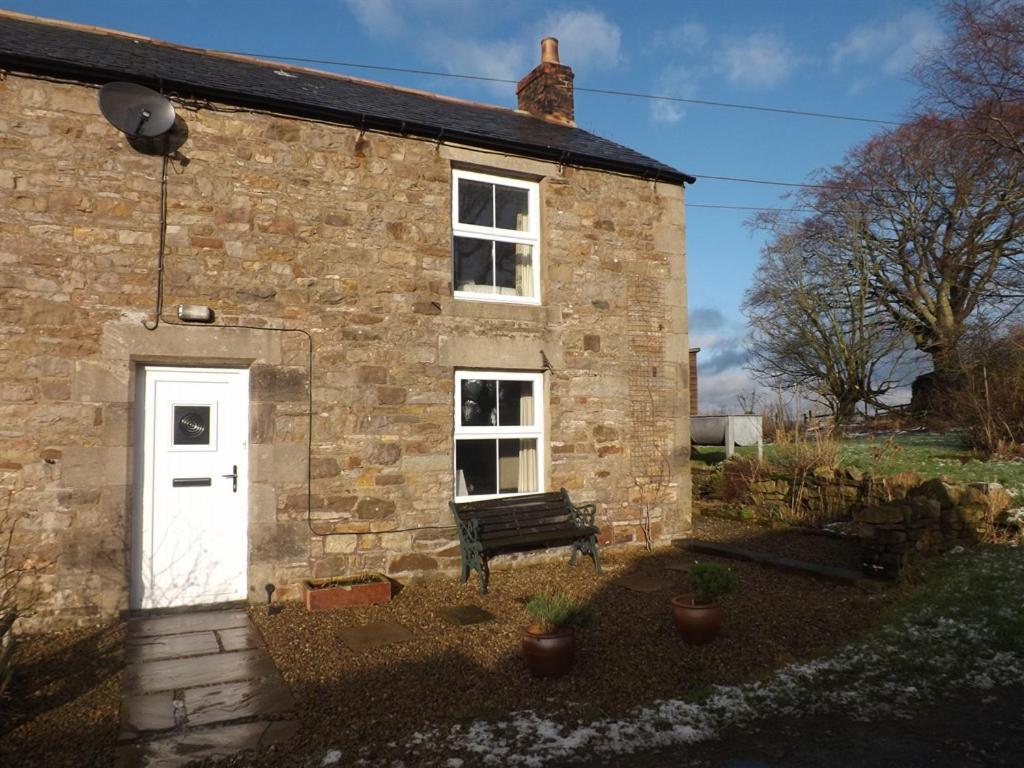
x=373, y=635
x=239, y=638
x=168, y=674
x=679, y=567
x=199, y=686
x=465, y=615
x=171, y=646
x=180, y=623
x=180, y=749
x=236, y=701
x=638, y=582
x=150, y=713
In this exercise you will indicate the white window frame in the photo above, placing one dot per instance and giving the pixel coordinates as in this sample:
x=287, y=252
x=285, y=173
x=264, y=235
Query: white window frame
x=534, y=432
x=530, y=237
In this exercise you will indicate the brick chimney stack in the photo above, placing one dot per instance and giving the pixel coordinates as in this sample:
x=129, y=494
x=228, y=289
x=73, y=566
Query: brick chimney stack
x=547, y=91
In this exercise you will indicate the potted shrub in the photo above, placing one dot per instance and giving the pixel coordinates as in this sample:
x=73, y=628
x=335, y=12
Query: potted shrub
x=698, y=616
x=346, y=591
x=549, y=644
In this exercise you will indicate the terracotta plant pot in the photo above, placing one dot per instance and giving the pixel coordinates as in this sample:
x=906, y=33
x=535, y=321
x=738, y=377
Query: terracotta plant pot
x=549, y=654
x=698, y=624
x=346, y=592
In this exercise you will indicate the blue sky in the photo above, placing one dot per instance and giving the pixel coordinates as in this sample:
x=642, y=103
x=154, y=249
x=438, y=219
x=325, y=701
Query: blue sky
x=849, y=57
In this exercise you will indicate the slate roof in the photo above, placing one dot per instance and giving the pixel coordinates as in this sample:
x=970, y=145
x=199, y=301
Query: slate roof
x=99, y=56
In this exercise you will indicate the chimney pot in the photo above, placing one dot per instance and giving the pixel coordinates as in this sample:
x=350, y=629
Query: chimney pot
x=549, y=50
x=547, y=91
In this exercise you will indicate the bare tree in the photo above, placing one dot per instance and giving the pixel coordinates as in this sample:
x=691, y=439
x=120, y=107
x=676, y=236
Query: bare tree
x=813, y=322
x=937, y=218
x=978, y=74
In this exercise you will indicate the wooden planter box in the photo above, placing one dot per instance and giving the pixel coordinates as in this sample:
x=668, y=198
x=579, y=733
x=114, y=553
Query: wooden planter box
x=346, y=592
x=6, y=649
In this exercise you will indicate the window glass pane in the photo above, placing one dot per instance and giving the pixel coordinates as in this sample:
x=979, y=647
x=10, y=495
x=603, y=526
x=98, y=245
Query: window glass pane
x=476, y=203
x=516, y=399
x=505, y=261
x=513, y=206
x=479, y=405
x=475, y=467
x=473, y=266
x=515, y=269
x=191, y=425
x=517, y=466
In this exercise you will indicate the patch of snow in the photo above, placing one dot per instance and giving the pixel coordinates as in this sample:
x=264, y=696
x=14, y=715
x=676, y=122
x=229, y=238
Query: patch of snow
x=865, y=680
x=332, y=757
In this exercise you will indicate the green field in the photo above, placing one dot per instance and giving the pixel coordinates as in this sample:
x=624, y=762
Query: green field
x=930, y=454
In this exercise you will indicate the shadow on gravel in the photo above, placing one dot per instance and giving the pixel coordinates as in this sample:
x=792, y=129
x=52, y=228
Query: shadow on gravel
x=372, y=704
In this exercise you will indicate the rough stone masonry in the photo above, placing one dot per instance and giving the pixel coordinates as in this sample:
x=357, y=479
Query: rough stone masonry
x=282, y=222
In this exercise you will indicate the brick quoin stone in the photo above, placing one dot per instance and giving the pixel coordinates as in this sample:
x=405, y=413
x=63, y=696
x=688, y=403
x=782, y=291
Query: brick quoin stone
x=283, y=222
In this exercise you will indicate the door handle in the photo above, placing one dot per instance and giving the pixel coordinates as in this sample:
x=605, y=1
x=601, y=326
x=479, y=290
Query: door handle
x=234, y=478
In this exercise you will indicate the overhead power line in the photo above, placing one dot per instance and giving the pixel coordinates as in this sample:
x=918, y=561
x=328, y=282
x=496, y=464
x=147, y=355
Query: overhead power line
x=602, y=91
x=749, y=208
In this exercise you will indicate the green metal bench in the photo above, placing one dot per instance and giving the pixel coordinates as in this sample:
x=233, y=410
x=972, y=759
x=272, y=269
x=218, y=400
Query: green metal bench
x=521, y=524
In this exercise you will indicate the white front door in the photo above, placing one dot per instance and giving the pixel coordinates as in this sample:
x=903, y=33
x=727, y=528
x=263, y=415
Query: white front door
x=193, y=499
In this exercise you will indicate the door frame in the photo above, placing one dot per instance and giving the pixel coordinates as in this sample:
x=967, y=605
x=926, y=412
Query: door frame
x=143, y=467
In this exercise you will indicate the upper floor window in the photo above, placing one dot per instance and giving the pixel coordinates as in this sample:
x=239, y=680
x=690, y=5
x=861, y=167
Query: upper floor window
x=495, y=238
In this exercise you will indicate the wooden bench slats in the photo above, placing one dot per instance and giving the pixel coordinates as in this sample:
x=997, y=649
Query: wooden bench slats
x=534, y=514
x=511, y=502
x=531, y=512
x=521, y=523
x=565, y=533
x=506, y=531
x=523, y=507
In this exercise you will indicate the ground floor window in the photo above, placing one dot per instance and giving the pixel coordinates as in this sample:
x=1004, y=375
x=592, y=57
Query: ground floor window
x=499, y=430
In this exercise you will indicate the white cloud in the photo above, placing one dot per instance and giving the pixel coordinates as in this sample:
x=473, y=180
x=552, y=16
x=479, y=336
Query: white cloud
x=587, y=40
x=690, y=36
x=762, y=59
x=896, y=43
x=497, y=58
x=718, y=392
x=380, y=18
x=674, y=81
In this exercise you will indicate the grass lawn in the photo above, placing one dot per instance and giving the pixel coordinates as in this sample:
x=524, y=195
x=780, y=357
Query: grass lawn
x=930, y=454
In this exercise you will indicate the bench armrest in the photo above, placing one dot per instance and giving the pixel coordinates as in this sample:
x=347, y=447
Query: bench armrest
x=584, y=514
x=581, y=515
x=469, y=530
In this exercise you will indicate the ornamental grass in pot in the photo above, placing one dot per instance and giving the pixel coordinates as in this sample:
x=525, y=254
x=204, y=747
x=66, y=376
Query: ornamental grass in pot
x=549, y=644
x=698, y=615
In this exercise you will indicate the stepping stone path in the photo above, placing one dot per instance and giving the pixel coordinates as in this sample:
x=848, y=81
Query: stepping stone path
x=464, y=615
x=199, y=685
x=375, y=634
x=639, y=582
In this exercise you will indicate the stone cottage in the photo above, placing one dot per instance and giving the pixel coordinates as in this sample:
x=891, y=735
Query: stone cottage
x=274, y=342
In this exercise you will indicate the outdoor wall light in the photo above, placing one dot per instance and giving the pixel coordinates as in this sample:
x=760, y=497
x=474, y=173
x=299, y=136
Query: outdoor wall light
x=195, y=313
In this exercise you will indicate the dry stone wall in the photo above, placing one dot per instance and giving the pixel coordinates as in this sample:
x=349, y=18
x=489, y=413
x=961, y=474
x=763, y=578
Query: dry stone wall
x=278, y=222
x=897, y=517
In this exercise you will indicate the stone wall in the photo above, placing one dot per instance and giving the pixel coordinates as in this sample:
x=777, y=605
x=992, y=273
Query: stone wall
x=931, y=517
x=897, y=517
x=279, y=222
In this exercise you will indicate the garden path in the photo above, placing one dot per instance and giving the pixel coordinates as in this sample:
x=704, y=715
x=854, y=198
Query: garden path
x=199, y=685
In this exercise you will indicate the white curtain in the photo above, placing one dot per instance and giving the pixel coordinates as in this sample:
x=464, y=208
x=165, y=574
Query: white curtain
x=527, y=448
x=524, y=262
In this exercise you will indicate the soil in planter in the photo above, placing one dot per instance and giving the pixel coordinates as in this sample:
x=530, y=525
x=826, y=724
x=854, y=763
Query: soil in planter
x=354, y=581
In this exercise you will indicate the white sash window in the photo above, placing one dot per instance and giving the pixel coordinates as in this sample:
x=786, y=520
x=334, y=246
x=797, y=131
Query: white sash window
x=499, y=430
x=495, y=238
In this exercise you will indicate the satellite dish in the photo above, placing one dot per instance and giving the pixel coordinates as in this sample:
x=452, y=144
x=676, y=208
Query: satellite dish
x=136, y=110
